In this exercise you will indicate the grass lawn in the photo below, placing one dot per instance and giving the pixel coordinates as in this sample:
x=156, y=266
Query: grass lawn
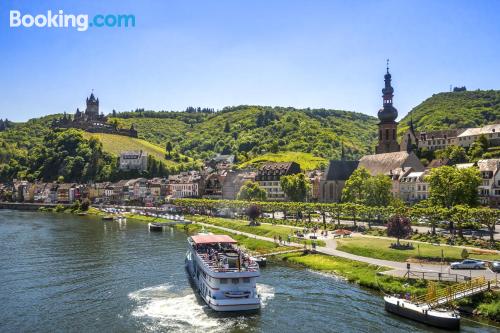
x=307, y=161
x=265, y=230
x=358, y=272
x=379, y=248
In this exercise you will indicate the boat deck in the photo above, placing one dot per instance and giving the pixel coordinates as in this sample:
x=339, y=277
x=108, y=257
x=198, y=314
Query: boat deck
x=226, y=259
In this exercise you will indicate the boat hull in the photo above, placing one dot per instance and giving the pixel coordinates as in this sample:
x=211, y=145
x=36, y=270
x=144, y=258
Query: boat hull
x=424, y=317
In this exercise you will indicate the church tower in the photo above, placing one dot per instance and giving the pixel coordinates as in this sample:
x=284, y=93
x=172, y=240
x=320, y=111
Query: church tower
x=92, y=110
x=387, y=127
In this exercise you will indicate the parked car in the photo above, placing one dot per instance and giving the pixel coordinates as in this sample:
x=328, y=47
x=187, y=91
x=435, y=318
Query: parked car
x=468, y=264
x=495, y=266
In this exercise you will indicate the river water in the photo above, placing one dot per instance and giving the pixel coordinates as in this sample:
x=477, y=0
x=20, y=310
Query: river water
x=64, y=273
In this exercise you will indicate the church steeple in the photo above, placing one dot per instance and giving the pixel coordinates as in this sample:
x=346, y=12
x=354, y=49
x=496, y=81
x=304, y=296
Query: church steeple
x=387, y=116
x=388, y=113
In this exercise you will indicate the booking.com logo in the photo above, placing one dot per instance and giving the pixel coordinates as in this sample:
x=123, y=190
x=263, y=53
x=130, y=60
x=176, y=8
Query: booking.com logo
x=80, y=22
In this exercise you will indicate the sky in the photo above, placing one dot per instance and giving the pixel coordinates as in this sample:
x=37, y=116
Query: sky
x=216, y=53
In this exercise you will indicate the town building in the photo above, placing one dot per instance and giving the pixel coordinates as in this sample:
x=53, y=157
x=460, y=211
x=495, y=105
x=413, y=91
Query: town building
x=315, y=178
x=413, y=187
x=334, y=179
x=490, y=132
x=213, y=185
x=489, y=189
x=220, y=162
x=134, y=160
x=185, y=185
x=269, y=175
x=233, y=182
x=384, y=164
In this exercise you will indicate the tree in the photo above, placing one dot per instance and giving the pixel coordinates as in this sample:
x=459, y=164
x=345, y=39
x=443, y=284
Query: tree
x=378, y=191
x=478, y=148
x=251, y=191
x=168, y=148
x=398, y=226
x=227, y=128
x=450, y=186
x=362, y=188
x=296, y=187
x=253, y=212
x=489, y=218
x=455, y=154
x=354, y=189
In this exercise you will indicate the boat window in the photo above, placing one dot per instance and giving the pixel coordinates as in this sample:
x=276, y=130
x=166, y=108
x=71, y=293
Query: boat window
x=235, y=281
x=246, y=280
x=223, y=281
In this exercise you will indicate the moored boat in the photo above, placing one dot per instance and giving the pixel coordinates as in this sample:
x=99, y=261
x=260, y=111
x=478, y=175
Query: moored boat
x=446, y=319
x=107, y=218
x=223, y=274
x=155, y=226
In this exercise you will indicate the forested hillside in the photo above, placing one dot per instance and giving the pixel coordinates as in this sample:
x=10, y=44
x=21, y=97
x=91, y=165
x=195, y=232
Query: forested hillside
x=250, y=131
x=459, y=109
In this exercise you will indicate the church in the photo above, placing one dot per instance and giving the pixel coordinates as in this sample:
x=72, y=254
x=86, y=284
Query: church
x=91, y=120
x=389, y=159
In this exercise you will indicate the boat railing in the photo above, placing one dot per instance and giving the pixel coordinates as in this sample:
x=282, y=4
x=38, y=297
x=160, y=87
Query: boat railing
x=215, y=265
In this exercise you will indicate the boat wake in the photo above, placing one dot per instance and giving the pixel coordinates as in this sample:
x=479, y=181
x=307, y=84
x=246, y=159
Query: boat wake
x=166, y=308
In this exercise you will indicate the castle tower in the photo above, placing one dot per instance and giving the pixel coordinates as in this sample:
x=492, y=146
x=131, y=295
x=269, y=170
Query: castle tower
x=92, y=110
x=387, y=127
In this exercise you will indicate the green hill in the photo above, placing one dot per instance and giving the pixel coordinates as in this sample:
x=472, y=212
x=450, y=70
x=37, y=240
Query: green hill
x=306, y=161
x=251, y=131
x=455, y=110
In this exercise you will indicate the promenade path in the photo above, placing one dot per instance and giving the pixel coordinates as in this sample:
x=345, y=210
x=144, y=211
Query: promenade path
x=398, y=269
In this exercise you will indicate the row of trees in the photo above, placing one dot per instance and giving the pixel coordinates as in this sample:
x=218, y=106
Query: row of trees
x=458, y=217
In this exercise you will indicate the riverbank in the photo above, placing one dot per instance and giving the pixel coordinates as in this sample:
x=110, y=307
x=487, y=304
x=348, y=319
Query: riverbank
x=363, y=274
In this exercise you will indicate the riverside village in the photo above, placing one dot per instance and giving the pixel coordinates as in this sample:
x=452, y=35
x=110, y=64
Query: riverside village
x=415, y=220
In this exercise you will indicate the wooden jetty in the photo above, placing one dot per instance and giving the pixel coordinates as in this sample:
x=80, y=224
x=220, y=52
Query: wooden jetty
x=428, y=308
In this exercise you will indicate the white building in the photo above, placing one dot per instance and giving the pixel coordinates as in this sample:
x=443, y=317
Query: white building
x=185, y=185
x=134, y=160
x=413, y=187
x=491, y=132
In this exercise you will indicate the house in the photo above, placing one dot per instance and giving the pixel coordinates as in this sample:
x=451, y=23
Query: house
x=213, y=185
x=134, y=160
x=137, y=188
x=396, y=175
x=334, y=178
x=220, y=162
x=185, y=185
x=63, y=193
x=491, y=132
x=96, y=191
x=269, y=175
x=157, y=189
x=489, y=189
x=413, y=187
x=233, y=182
x=315, y=177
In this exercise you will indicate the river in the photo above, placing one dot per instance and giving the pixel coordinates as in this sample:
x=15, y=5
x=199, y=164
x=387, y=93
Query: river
x=65, y=273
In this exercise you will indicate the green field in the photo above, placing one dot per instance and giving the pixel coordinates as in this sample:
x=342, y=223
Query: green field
x=307, y=161
x=115, y=144
x=379, y=248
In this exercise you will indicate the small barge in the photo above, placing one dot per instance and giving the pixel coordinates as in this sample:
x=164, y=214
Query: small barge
x=155, y=226
x=223, y=274
x=445, y=319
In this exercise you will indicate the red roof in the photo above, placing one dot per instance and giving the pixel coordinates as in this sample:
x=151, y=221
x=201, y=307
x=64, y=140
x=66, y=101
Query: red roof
x=209, y=239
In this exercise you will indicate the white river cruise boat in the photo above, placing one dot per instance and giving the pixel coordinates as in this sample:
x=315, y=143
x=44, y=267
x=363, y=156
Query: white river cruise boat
x=224, y=275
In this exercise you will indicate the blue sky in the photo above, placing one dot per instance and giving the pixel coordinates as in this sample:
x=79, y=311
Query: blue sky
x=301, y=53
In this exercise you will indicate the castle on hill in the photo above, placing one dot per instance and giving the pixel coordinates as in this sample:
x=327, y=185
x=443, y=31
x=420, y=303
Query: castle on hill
x=91, y=120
